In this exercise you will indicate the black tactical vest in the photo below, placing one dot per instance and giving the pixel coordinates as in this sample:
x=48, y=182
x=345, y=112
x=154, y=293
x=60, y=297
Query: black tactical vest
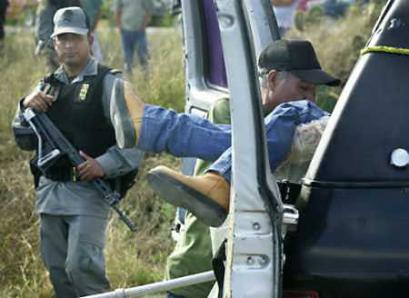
x=78, y=113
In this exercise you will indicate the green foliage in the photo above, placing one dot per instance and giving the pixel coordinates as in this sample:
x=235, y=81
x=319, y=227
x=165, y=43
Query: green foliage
x=132, y=259
x=106, y=9
x=337, y=42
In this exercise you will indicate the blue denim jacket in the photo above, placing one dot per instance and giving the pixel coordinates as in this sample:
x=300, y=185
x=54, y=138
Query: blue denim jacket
x=185, y=135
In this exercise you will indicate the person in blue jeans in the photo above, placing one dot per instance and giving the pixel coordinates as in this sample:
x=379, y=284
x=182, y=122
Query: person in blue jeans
x=291, y=73
x=132, y=18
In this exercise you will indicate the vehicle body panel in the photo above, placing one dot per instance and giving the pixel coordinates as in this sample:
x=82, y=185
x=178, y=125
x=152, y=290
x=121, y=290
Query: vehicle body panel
x=351, y=231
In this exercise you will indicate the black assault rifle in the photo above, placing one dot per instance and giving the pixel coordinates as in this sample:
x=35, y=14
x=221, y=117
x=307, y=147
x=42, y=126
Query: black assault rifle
x=52, y=145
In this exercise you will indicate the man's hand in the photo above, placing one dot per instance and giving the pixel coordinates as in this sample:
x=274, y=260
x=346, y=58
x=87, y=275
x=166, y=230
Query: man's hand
x=90, y=169
x=39, y=101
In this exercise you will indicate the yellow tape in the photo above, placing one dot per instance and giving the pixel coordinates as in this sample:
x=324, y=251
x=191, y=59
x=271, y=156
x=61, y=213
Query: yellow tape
x=385, y=49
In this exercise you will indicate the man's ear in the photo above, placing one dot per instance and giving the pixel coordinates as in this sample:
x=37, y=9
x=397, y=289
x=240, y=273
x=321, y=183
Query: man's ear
x=272, y=79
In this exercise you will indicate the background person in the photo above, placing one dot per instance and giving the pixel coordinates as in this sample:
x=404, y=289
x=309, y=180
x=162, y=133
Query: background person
x=131, y=18
x=3, y=10
x=44, y=27
x=92, y=9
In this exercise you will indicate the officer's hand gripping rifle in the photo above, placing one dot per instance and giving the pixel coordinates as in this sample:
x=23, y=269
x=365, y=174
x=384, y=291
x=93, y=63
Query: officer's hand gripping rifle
x=52, y=145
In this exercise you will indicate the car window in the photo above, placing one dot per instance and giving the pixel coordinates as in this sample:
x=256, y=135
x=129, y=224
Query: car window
x=215, y=72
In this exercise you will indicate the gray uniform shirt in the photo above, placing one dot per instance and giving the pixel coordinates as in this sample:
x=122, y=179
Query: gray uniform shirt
x=81, y=198
x=132, y=13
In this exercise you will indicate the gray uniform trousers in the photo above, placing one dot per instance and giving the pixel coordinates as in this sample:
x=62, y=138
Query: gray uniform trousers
x=79, y=268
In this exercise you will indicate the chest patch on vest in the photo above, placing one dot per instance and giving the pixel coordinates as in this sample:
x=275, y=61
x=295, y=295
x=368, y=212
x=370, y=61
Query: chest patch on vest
x=83, y=92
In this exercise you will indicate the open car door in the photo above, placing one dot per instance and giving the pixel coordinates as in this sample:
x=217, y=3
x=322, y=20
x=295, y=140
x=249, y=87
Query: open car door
x=254, y=246
x=222, y=42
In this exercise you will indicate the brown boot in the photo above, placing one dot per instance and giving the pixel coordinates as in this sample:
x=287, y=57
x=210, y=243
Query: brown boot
x=207, y=196
x=135, y=107
x=127, y=109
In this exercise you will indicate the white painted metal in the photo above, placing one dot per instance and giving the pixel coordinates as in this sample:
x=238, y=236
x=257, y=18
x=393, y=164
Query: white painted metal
x=252, y=267
x=198, y=94
x=158, y=287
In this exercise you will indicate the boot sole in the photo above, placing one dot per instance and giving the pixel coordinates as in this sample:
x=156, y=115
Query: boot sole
x=178, y=194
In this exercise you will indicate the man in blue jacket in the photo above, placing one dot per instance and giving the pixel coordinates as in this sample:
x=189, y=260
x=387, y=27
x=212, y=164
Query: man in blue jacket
x=291, y=72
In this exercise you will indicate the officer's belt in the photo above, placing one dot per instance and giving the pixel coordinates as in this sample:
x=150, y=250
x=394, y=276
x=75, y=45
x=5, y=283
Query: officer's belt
x=62, y=174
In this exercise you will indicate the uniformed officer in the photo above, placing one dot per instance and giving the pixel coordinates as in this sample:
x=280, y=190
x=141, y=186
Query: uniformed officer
x=72, y=215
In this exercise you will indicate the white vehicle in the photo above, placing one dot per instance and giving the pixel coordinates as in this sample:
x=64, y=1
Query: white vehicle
x=351, y=238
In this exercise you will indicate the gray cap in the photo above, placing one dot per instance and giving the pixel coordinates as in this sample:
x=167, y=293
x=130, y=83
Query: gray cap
x=70, y=20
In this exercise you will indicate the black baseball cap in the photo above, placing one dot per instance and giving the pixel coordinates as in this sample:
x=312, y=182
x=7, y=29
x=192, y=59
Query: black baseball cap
x=297, y=57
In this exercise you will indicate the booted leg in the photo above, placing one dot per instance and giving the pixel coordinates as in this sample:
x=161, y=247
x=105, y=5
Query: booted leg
x=135, y=106
x=182, y=135
x=207, y=196
x=200, y=195
x=126, y=114
x=155, y=129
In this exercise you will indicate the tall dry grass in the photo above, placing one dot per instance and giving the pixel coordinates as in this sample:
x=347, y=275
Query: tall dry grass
x=338, y=42
x=132, y=259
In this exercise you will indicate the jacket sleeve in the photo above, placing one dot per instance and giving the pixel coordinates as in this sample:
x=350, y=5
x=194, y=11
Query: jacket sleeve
x=117, y=162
